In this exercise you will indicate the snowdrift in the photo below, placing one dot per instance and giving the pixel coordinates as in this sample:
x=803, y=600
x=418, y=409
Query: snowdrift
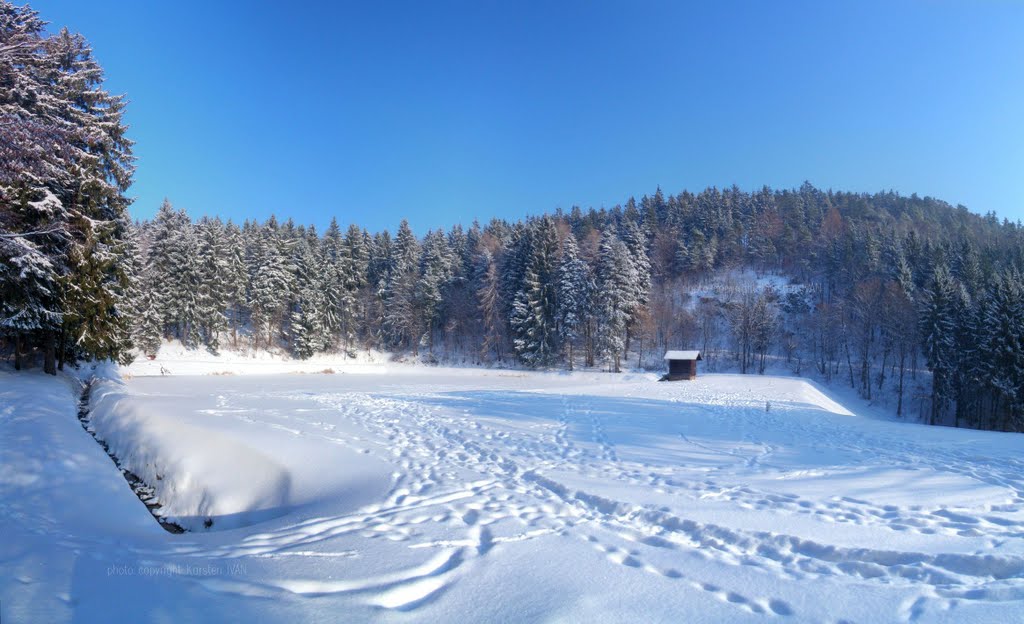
x=199, y=475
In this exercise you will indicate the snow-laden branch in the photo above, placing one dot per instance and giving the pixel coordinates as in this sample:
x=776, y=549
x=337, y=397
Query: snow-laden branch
x=43, y=232
x=14, y=48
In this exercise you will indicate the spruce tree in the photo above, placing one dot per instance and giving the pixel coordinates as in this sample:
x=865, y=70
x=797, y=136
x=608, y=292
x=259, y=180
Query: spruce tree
x=148, y=331
x=938, y=337
x=435, y=273
x=271, y=286
x=574, y=292
x=400, y=321
x=211, y=300
x=30, y=302
x=309, y=332
x=1004, y=368
x=65, y=165
x=615, y=297
x=236, y=280
x=335, y=293
x=534, y=328
x=487, y=286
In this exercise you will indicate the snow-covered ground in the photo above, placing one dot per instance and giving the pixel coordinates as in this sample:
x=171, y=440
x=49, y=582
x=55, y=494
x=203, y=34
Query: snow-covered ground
x=419, y=494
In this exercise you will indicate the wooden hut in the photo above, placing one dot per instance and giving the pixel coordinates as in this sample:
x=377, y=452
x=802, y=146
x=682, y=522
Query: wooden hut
x=682, y=365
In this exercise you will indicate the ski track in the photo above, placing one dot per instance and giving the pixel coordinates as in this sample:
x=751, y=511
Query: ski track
x=456, y=465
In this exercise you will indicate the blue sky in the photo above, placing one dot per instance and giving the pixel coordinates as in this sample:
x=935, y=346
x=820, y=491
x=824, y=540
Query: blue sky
x=442, y=112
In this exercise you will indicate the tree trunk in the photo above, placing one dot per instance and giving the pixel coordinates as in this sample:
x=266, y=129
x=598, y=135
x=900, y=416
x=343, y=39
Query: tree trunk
x=899, y=393
x=17, y=351
x=849, y=365
x=49, y=354
x=881, y=371
x=62, y=347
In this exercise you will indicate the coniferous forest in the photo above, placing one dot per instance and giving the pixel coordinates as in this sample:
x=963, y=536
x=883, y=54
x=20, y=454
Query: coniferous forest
x=880, y=289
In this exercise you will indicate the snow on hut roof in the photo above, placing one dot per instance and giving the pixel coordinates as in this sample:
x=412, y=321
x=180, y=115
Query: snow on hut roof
x=682, y=355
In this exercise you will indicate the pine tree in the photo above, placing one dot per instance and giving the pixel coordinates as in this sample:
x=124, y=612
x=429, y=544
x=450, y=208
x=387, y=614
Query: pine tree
x=351, y=264
x=488, y=292
x=436, y=271
x=170, y=265
x=574, y=291
x=1004, y=342
x=335, y=294
x=64, y=167
x=186, y=281
x=636, y=243
x=30, y=304
x=236, y=279
x=148, y=330
x=271, y=285
x=212, y=290
x=400, y=322
x=308, y=323
x=534, y=328
x=938, y=337
x=615, y=296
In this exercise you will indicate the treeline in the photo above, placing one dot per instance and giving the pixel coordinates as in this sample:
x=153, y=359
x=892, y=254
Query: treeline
x=65, y=165
x=880, y=287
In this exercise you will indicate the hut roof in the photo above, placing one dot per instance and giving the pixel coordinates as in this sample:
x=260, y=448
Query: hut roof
x=682, y=355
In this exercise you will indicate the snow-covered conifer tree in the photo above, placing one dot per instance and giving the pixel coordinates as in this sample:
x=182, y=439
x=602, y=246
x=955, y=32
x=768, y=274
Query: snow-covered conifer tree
x=615, y=298
x=271, y=285
x=533, y=322
x=400, y=321
x=574, y=292
x=938, y=336
x=212, y=290
x=435, y=272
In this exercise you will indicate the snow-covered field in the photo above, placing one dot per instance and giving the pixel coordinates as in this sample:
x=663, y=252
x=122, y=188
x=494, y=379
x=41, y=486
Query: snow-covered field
x=454, y=495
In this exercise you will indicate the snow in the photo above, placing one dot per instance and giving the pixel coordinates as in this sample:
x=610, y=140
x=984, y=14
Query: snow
x=474, y=495
x=682, y=355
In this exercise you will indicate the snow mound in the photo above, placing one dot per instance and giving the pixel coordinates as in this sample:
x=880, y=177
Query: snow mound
x=199, y=475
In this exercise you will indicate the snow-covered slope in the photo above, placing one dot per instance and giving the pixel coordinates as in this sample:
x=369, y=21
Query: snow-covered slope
x=496, y=496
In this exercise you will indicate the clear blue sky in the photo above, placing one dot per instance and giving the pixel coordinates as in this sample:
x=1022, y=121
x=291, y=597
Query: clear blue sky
x=443, y=112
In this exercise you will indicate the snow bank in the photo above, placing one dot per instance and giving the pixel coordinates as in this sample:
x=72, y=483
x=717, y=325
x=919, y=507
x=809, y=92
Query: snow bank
x=198, y=474
x=213, y=466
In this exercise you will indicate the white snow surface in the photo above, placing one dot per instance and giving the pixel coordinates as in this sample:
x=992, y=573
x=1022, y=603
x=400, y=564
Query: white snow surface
x=420, y=494
x=682, y=355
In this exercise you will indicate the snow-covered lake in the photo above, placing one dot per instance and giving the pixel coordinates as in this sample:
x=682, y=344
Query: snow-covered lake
x=489, y=496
